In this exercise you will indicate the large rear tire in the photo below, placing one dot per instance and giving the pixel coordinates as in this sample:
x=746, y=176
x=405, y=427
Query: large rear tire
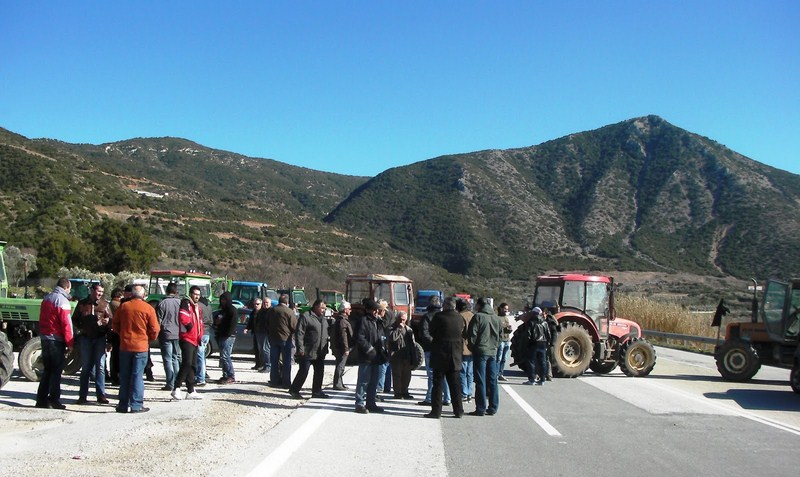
x=30, y=359
x=794, y=378
x=6, y=359
x=572, y=351
x=737, y=361
x=637, y=358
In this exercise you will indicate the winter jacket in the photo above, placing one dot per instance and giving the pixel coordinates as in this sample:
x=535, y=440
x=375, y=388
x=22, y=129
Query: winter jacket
x=54, y=317
x=342, y=336
x=228, y=319
x=483, y=335
x=167, y=311
x=136, y=324
x=447, y=331
x=311, y=336
x=191, y=324
x=282, y=323
x=370, y=341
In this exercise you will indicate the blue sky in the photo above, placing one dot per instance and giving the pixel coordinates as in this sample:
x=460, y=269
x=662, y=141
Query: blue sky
x=359, y=87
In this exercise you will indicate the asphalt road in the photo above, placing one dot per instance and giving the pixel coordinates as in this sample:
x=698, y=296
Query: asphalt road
x=683, y=419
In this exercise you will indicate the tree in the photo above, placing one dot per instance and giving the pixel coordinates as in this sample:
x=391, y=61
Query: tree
x=122, y=246
x=15, y=262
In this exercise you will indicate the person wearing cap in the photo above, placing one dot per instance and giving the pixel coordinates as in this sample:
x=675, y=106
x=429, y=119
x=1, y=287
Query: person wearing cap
x=538, y=335
x=341, y=343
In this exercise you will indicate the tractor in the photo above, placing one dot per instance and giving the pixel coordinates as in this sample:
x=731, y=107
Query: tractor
x=770, y=337
x=589, y=335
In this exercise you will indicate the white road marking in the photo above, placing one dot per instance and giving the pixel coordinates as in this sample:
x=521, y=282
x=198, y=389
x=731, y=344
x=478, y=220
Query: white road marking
x=279, y=456
x=728, y=409
x=537, y=418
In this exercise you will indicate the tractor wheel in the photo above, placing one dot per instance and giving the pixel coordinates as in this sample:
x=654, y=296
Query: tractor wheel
x=794, y=378
x=30, y=359
x=737, y=361
x=602, y=367
x=6, y=359
x=572, y=351
x=637, y=358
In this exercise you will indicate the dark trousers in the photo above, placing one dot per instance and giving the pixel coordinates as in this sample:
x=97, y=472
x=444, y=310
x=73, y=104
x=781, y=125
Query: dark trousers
x=537, y=362
x=114, y=366
x=454, y=384
x=50, y=384
x=302, y=374
x=188, y=369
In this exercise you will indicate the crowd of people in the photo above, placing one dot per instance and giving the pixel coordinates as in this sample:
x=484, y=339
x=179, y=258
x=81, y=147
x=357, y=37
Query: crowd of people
x=464, y=352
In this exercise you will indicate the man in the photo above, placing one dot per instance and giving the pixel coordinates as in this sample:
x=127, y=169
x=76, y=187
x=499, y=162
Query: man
x=250, y=328
x=483, y=337
x=282, y=325
x=208, y=323
x=168, y=311
x=261, y=332
x=137, y=324
x=341, y=343
x=467, y=368
x=226, y=321
x=538, y=335
x=505, y=340
x=311, y=338
x=91, y=321
x=371, y=354
x=191, y=332
x=55, y=333
x=424, y=339
x=447, y=333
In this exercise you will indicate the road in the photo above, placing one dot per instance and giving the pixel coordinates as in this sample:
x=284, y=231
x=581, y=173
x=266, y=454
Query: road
x=681, y=420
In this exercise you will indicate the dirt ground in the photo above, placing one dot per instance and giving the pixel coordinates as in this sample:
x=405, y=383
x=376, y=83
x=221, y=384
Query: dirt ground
x=173, y=438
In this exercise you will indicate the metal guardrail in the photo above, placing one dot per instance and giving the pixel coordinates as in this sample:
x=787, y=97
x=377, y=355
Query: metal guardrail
x=676, y=336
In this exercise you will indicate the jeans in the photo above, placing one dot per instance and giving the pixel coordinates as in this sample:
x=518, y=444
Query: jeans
x=131, y=380
x=538, y=363
x=502, y=355
x=487, y=398
x=50, y=383
x=93, y=362
x=367, y=387
x=200, y=376
x=467, y=383
x=263, y=349
x=385, y=377
x=225, y=361
x=429, y=371
x=280, y=375
x=171, y=355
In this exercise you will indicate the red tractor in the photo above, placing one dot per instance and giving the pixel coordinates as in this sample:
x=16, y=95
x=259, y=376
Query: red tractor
x=589, y=335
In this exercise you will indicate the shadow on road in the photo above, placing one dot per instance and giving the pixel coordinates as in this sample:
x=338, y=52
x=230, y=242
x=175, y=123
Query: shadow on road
x=760, y=399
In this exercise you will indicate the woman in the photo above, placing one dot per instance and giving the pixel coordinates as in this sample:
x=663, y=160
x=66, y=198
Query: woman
x=189, y=335
x=401, y=342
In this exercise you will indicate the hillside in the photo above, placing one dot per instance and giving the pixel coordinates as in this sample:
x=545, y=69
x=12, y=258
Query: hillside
x=638, y=195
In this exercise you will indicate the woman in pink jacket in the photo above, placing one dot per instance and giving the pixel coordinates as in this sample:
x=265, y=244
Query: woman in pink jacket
x=190, y=334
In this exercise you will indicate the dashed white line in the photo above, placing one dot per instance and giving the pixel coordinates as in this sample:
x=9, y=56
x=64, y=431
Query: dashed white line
x=537, y=418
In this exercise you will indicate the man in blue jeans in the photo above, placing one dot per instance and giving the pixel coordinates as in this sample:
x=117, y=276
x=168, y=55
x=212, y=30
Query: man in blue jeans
x=208, y=322
x=168, y=311
x=483, y=336
x=136, y=324
x=226, y=321
x=504, y=346
x=282, y=323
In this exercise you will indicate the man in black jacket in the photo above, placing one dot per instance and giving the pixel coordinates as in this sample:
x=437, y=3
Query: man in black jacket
x=447, y=333
x=225, y=321
x=426, y=340
x=370, y=340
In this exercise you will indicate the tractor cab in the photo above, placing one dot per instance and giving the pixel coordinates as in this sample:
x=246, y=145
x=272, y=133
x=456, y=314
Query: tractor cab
x=586, y=297
x=779, y=311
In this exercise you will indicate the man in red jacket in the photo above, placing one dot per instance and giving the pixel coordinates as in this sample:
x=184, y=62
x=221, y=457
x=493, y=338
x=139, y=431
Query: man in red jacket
x=55, y=332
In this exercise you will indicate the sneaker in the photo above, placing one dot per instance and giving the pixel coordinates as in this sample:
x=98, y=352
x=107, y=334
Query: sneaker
x=194, y=395
x=176, y=394
x=200, y=385
x=528, y=382
x=539, y=383
x=502, y=378
x=362, y=410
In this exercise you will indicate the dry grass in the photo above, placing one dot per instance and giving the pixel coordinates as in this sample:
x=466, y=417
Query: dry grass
x=666, y=317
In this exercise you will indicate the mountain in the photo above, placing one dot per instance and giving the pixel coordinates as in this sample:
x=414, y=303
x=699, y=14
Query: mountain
x=638, y=195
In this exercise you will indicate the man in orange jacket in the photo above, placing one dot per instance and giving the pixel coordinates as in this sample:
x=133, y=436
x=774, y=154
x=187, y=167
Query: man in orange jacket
x=136, y=323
